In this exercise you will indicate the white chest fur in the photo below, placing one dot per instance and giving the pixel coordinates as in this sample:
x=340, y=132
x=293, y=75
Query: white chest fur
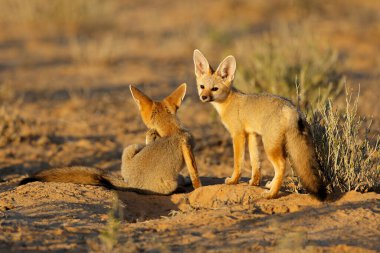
x=218, y=107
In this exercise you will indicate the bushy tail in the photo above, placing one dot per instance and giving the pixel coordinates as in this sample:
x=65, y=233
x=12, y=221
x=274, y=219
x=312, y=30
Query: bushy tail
x=302, y=154
x=82, y=175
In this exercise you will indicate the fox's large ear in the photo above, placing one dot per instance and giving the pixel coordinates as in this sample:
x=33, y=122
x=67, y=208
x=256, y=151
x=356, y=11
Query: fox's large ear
x=174, y=100
x=227, y=68
x=200, y=63
x=142, y=100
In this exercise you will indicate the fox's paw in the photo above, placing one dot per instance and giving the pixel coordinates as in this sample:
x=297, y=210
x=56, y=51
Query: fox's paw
x=230, y=180
x=268, y=195
x=151, y=135
x=268, y=185
x=254, y=181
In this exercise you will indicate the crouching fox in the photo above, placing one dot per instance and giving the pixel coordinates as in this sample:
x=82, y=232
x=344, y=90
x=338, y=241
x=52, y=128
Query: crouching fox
x=152, y=168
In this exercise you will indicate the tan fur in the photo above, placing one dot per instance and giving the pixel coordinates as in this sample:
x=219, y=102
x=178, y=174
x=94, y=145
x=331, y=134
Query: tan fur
x=273, y=118
x=164, y=158
x=83, y=175
x=150, y=168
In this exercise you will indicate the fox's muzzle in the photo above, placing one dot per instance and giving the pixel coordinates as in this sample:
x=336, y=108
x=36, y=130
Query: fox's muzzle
x=206, y=98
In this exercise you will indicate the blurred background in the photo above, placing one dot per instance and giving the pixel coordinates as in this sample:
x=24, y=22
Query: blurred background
x=65, y=68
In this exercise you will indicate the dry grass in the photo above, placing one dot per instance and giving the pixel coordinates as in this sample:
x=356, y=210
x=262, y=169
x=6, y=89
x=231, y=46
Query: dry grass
x=109, y=235
x=12, y=127
x=103, y=50
x=348, y=155
x=285, y=57
x=7, y=93
x=86, y=27
x=58, y=17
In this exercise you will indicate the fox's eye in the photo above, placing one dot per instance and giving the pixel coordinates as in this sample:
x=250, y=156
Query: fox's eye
x=202, y=86
x=214, y=89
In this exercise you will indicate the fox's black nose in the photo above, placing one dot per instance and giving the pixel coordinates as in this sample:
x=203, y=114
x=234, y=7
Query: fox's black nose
x=204, y=97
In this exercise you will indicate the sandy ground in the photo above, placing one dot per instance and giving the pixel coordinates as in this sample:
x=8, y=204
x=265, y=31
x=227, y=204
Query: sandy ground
x=59, y=111
x=219, y=218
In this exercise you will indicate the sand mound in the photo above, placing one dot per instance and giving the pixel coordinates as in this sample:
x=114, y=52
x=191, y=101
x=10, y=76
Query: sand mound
x=142, y=207
x=59, y=212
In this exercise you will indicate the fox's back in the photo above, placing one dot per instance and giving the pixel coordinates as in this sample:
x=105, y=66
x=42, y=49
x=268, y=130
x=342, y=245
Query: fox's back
x=157, y=162
x=257, y=113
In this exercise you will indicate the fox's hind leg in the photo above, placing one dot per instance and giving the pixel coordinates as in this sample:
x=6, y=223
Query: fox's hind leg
x=255, y=159
x=276, y=155
x=130, y=151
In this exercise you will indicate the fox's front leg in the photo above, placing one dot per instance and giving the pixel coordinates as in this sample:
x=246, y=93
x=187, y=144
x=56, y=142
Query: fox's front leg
x=151, y=136
x=191, y=164
x=239, y=150
x=255, y=159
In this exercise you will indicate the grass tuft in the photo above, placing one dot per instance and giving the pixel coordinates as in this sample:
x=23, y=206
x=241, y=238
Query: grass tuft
x=348, y=156
x=109, y=235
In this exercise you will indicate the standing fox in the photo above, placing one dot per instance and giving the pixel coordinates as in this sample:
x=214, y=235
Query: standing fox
x=280, y=125
x=149, y=169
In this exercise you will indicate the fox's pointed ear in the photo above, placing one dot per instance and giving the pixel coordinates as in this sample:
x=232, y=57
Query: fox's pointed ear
x=142, y=100
x=200, y=63
x=174, y=100
x=227, y=68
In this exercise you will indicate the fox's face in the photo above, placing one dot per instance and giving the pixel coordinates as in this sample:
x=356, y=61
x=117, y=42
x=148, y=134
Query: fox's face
x=213, y=85
x=159, y=115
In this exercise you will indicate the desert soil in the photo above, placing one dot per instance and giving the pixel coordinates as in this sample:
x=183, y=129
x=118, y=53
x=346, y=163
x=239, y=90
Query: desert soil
x=60, y=111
